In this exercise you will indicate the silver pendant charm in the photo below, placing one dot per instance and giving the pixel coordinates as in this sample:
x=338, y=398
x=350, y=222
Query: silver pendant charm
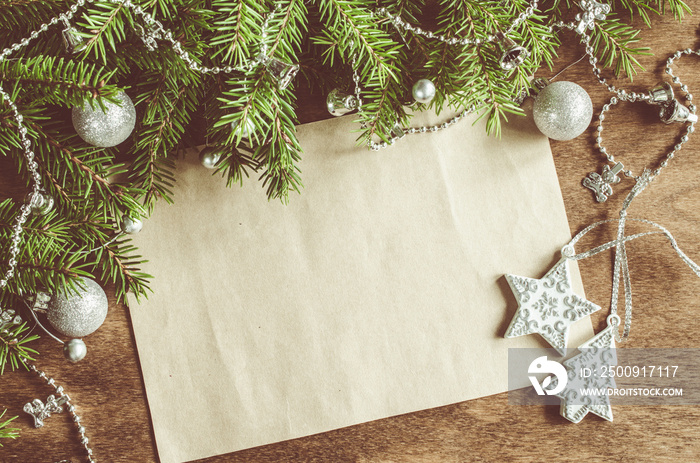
x=585, y=371
x=8, y=317
x=592, y=11
x=513, y=54
x=676, y=112
x=41, y=411
x=601, y=184
x=150, y=35
x=547, y=306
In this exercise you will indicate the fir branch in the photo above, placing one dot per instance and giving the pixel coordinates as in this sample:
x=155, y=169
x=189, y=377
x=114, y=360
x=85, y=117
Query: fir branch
x=13, y=346
x=236, y=28
x=54, y=80
x=24, y=15
x=6, y=432
x=612, y=41
x=105, y=24
x=118, y=263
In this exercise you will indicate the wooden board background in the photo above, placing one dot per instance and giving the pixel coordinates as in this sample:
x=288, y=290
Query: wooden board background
x=109, y=393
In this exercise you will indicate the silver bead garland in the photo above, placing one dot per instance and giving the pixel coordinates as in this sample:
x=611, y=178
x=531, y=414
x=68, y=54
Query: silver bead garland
x=400, y=23
x=70, y=408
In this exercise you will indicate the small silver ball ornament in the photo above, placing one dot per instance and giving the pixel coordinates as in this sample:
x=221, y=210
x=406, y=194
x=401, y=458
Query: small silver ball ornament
x=109, y=128
x=77, y=315
x=562, y=110
x=74, y=350
x=424, y=91
x=246, y=130
x=130, y=225
x=209, y=157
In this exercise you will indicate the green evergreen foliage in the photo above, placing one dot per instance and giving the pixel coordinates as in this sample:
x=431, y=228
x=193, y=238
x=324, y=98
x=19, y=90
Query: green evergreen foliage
x=5, y=431
x=95, y=187
x=13, y=345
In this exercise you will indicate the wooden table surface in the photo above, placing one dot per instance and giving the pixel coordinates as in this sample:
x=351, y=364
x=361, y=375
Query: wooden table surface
x=108, y=388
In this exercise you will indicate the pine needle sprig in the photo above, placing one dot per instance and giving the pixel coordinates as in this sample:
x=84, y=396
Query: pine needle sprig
x=613, y=43
x=6, y=432
x=13, y=346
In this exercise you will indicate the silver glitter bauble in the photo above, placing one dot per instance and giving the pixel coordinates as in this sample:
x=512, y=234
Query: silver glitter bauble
x=74, y=350
x=209, y=157
x=80, y=314
x=130, y=225
x=245, y=131
x=105, y=129
x=562, y=110
x=424, y=91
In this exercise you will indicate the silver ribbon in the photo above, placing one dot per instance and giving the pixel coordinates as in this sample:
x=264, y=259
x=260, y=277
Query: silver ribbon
x=621, y=268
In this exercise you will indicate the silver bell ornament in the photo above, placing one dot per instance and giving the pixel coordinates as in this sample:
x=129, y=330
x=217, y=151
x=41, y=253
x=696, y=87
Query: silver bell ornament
x=513, y=55
x=676, y=112
x=72, y=40
x=40, y=203
x=209, y=157
x=78, y=314
x=340, y=103
x=105, y=128
x=662, y=94
x=424, y=91
x=397, y=132
x=562, y=110
x=74, y=350
x=283, y=73
x=130, y=225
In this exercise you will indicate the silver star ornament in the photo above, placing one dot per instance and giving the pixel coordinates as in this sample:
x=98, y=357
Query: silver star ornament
x=547, y=306
x=585, y=372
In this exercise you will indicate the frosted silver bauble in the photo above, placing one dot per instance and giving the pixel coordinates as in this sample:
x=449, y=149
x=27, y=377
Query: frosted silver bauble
x=74, y=350
x=130, y=225
x=424, y=91
x=562, y=110
x=246, y=130
x=77, y=315
x=209, y=157
x=109, y=128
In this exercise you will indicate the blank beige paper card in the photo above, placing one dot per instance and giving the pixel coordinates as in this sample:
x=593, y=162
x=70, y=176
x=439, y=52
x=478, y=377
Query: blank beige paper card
x=377, y=291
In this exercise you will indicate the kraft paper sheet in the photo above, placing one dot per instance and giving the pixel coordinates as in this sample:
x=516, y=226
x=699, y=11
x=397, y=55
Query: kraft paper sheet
x=376, y=292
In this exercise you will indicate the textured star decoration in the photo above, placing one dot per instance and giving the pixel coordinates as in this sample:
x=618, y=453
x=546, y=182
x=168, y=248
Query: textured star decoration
x=547, y=306
x=584, y=372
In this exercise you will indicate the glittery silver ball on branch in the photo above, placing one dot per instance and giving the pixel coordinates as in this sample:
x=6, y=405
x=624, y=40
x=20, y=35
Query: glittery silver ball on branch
x=105, y=128
x=78, y=314
x=562, y=110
